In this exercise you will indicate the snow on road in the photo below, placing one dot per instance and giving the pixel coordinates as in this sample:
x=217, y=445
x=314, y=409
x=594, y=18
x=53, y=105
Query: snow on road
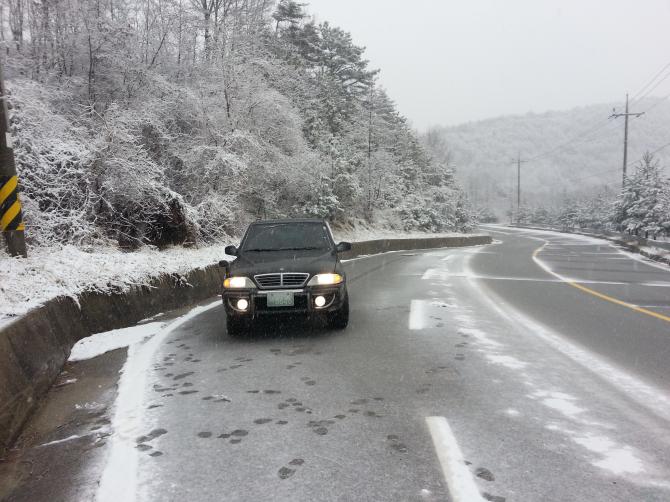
x=100, y=343
x=119, y=478
x=543, y=363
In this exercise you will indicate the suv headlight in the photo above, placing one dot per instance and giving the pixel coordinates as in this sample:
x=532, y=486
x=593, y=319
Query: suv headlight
x=325, y=280
x=237, y=283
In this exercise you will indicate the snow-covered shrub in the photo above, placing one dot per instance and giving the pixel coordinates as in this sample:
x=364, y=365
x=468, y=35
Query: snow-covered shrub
x=53, y=156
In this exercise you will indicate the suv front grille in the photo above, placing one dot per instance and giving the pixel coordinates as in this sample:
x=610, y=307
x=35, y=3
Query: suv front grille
x=285, y=280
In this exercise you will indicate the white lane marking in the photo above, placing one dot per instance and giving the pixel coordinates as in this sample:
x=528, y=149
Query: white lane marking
x=417, y=314
x=656, y=284
x=119, y=477
x=460, y=482
x=599, y=253
x=635, y=387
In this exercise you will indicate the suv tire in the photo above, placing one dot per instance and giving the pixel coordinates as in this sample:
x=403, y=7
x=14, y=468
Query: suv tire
x=340, y=318
x=236, y=326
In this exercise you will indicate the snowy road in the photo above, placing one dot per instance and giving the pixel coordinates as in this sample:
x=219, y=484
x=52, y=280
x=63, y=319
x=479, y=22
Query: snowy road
x=533, y=369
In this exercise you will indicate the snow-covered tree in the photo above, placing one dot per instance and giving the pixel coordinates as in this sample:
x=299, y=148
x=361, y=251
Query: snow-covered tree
x=642, y=207
x=164, y=122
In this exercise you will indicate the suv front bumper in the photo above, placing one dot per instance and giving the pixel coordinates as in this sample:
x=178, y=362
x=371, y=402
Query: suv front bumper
x=303, y=301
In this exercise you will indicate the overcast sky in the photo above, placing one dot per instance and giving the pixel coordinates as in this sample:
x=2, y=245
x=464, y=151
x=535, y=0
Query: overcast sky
x=452, y=61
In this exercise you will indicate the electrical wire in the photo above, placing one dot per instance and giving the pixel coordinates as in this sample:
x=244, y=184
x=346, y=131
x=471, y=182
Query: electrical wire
x=656, y=75
x=589, y=134
x=650, y=90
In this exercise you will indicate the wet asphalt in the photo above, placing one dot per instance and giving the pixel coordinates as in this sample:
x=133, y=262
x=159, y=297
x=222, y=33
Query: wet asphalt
x=637, y=342
x=297, y=412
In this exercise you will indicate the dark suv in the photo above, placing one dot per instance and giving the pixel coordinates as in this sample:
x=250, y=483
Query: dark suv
x=284, y=267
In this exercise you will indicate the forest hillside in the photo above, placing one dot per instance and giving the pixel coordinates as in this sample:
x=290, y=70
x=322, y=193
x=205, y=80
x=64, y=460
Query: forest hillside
x=161, y=122
x=568, y=153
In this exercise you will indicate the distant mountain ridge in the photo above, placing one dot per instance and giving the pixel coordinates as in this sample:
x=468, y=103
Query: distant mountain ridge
x=578, y=150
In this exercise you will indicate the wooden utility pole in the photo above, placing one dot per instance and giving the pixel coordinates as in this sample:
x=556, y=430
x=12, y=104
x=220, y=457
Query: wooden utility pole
x=369, y=208
x=518, y=162
x=625, y=136
x=518, y=184
x=11, y=218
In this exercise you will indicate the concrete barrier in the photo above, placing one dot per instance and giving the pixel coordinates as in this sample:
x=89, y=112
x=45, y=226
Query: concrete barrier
x=34, y=347
x=103, y=312
x=385, y=245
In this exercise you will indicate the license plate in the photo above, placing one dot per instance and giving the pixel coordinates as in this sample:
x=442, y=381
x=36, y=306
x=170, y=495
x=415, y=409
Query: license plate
x=280, y=299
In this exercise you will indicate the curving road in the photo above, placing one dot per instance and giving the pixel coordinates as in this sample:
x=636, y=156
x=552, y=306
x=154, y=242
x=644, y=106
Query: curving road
x=533, y=369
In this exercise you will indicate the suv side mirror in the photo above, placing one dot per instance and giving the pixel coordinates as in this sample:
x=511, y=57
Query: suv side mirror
x=343, y=246
x=230, y=250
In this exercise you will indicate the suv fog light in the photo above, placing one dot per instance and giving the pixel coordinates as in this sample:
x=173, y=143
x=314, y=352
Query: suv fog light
x=319, y=301
x=242, y=304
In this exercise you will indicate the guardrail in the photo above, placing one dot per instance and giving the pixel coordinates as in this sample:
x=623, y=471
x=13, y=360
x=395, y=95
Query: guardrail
x=630, y=242
x=35, y=346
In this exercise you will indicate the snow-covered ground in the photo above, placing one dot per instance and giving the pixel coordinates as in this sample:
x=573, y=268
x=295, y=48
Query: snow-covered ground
x=100, y=343
x=67, y=271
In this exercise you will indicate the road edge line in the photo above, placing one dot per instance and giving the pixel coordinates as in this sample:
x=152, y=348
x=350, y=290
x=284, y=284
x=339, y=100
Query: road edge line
x=460, y=483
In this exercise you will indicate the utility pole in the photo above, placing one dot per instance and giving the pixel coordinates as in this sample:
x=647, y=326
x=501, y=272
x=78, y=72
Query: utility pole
x=371, y=103
x=11, y=218
x=518, y=184
x=518, y=163
x=625, y=135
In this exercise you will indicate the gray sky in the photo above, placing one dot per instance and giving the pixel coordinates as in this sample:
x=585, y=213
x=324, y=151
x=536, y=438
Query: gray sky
x=451, y=61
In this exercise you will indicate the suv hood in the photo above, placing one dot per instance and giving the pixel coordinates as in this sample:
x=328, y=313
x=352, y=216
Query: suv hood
x=312, y=262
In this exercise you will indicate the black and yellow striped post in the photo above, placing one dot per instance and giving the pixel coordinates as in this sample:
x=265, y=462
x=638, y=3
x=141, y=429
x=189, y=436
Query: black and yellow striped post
x=11, y=217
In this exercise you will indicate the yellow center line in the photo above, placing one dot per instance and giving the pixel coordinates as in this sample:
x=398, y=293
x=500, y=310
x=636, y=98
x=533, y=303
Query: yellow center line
x=603, y=296
x=11, y=213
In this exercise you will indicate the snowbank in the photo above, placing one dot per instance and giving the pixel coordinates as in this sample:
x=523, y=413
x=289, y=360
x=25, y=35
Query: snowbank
x=100, y=343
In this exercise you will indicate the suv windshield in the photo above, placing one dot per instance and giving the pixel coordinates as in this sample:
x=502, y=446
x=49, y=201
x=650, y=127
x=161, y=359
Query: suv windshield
x=286, y=236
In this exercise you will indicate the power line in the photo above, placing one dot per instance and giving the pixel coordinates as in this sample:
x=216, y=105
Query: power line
x=578, y=138
x=652, y=89
x=656, y=75
x=609, y=171
x=658, y=102
x=589, y=135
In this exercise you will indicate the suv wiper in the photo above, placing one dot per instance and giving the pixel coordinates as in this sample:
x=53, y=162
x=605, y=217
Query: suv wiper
x=309, y=248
